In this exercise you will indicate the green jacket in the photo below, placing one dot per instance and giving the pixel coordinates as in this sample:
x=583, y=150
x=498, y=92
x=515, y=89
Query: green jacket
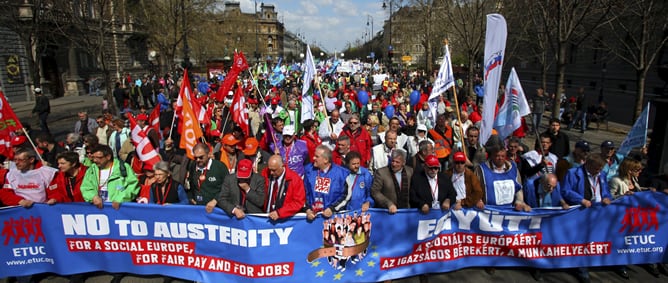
x=119, y=188
x=212, y=184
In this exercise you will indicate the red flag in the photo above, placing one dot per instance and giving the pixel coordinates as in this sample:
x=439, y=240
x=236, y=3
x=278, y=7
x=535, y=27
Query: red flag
x=144, y=149
x=203, y=115
x=239, y=110
x=239, y=65
x=240, y=62
x=154, y=118
x=8, y=119
x=8, y=123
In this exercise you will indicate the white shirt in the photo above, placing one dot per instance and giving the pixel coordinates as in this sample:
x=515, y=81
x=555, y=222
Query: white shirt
x=595, y=183
x=459, y=184
x=433, y=187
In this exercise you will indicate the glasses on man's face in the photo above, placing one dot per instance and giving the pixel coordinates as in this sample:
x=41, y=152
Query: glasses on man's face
x=17, y=159
x=98, y=156
x=353, y=122
x=433, y=168
x=460, y=162
x=201, y=157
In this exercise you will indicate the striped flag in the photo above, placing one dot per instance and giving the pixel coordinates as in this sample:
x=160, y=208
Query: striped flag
x=144, y=149
x=239, y=110
x=495, y=45
x=514, y=107
x=309, y=75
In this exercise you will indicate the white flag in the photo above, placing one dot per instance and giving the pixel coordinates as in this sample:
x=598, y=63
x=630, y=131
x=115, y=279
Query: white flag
x=515, y=106
x=495, y=45
x=445, y=78
x=309, y=74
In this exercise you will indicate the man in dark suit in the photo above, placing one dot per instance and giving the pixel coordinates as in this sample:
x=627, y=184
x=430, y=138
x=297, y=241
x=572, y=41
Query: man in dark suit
x=391, y=184
x=242, y=192
x=432, y=189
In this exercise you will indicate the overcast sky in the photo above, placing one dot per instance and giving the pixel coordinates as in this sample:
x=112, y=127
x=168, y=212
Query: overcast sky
x=330, y=24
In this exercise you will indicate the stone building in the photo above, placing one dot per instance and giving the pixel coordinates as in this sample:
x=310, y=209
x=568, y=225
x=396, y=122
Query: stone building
x=54, y=33
x=259, y=35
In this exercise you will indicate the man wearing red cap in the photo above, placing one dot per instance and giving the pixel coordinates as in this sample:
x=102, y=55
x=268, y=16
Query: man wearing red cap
x=466, y=183
x=274, y=109
x=285, y=194
x=242, y=192
x=432, y=189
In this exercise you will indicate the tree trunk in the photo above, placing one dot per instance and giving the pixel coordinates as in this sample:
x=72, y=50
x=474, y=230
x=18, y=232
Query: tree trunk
x=640, y=95
x=561, y=74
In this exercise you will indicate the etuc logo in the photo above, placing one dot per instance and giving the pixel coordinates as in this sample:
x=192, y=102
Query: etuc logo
x=637, y=218
x=23, y=229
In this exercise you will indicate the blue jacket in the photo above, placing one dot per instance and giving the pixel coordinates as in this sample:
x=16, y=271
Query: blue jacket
x=531, y=196
x=163, y=101
x=330, y=192
x=573, y=185
x=360, y=192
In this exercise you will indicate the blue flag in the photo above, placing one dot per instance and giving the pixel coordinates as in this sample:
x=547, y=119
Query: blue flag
x=637, y=137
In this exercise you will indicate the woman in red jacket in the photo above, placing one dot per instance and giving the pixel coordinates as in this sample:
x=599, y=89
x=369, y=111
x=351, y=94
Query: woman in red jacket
x=68, y=180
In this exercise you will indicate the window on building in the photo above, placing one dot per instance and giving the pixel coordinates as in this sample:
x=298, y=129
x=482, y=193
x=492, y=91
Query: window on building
x=269, y=40
x=270, y=48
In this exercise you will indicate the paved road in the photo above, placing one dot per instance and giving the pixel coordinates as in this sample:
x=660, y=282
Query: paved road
x=517, y=275
x=64, y=114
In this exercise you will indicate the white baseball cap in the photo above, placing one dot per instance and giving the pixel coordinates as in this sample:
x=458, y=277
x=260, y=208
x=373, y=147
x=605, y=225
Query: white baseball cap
x=288, y=130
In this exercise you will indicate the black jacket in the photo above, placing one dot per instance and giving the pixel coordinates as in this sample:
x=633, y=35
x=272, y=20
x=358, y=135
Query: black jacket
x=420, y=193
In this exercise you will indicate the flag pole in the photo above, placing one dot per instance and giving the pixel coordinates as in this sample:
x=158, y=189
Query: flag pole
x=263, y=103
x=459, y=119
x=33, y=145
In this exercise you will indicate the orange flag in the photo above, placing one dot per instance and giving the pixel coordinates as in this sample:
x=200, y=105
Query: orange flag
x=191, y=132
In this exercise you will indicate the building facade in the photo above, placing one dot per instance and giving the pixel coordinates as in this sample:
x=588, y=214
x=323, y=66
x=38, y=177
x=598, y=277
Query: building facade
x=259, y=35
x=63, y=62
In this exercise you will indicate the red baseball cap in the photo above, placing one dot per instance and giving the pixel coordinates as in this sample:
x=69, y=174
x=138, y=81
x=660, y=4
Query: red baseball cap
x=244, y=169
x=18, y=140
x=459, y=157
x=142, y=117
x=432, y=161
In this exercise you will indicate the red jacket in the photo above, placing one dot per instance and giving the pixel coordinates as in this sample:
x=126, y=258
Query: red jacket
x=61, y=185
x=293, y=197
x=312, y=141
x=360, y=141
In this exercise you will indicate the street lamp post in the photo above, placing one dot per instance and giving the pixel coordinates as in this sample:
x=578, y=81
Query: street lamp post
x=389, y=48
x=603, y=71
x=257, y=54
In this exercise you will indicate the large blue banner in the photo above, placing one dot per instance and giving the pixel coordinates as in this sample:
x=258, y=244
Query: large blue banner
x=349, y=247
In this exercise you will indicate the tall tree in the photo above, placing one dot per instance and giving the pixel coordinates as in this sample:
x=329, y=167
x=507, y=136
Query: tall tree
x=89, y=25
x=465, y=21
x=568, y=23
x=636, y=33
x=163, y=22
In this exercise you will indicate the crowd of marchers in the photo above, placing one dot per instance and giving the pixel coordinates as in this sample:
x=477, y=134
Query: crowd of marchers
x=373, y=142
